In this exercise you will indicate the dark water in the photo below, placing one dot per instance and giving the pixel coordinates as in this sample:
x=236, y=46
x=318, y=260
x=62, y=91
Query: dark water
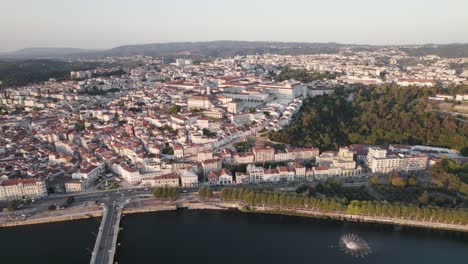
x=54, y=243
x=232, y=237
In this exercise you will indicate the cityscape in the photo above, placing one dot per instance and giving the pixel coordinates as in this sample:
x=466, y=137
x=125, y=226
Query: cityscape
x=206, y=138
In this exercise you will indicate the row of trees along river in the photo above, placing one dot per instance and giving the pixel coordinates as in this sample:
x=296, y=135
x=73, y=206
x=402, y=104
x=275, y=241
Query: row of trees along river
x=363, y=208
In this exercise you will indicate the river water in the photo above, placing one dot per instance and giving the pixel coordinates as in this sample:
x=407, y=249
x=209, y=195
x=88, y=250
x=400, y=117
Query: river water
x=54, y=243
x=205, y=237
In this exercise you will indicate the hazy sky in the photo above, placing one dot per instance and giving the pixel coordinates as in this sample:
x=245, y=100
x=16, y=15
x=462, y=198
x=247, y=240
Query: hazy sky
x=109, y=23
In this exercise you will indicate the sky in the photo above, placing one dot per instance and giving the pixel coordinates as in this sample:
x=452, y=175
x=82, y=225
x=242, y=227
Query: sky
x=102, y=24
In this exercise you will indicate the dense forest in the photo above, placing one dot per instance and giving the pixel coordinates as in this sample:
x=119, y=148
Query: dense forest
x=384, y=114
x=24, y=72
x=449, y=175
x=303, y=75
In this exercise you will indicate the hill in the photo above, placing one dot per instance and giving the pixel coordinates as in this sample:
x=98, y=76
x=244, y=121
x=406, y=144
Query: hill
x=23, y=72
x=37, y=53
x=376, y=115
x=223, y=48
x=231, y=48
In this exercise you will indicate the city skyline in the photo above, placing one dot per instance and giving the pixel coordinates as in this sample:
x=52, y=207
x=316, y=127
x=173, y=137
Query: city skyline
x=109, y=24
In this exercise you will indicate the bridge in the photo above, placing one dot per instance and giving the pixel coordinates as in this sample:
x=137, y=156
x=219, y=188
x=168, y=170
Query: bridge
x=106, y=240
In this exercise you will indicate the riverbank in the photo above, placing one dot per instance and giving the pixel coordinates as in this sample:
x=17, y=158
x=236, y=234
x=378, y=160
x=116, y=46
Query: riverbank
x=152, y=205
x=52, y=219
x=358, y=218
x=298, y=212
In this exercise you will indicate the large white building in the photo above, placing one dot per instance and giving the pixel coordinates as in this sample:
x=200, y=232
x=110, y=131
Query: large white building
x=129, y=174
x=22, y=188
x=166, y=180
x=285, y=91
x=380, y=162
x=199, y=102
x=188, y=179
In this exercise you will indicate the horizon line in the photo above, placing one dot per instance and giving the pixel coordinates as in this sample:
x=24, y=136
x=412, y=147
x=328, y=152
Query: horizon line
x=226, y=40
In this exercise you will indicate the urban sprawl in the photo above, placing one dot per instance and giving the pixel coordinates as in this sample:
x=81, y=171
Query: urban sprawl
x=184, y=124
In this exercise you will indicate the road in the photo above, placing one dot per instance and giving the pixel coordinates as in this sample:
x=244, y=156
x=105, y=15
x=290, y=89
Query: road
x=104, y=242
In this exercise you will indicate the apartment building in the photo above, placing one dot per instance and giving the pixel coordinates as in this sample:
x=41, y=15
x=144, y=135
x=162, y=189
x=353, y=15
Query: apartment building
x=21, y=188
x=266, y=154
x=380, y=162
x=166, y=180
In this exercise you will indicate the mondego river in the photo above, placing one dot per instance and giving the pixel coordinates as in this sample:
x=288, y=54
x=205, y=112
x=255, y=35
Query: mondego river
x=207, y=237
x=55, y=243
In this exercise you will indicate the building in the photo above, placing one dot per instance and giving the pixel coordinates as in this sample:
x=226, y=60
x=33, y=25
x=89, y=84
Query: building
x=211, y=165
x=266, y=154
x=204, y=155
x=222, y=177
x=17, y=189
x=88, y=174
x=256, y=174
x=129, y=174
x=74, y=186
x=199, y=102
x=337, y=164
x=80, y=74
x=166, y=180
x=188, y=179
x=379, y=161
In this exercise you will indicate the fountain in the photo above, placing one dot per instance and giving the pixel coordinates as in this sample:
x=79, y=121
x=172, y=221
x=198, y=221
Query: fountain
x=354, y=245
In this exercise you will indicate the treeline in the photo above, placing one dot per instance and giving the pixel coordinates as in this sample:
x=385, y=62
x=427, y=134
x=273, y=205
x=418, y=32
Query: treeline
x=384, y=114
x=367, y=208
x=303, y=75
x=205, y=193
x=166, y=193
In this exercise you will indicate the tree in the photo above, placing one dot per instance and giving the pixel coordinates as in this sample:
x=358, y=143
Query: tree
x=424, y=198
x=13, y=205
x=398, y=182
x=70, y=200
x=168, y=151
x=157, y=192
x=464, y=151
x=412, y=181
x=205, y=193
x=80, y=126
x=393, y=174
x=208, y=133
x=374, y=180
x=174, y=109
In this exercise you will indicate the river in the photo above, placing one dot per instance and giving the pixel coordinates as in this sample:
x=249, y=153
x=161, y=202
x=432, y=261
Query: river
x=206, y=237
x=191, y=236
x=54, y=243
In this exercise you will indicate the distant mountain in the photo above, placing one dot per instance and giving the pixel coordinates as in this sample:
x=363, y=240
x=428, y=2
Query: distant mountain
x=445, y=51
x=231, y=48
x=39, y=53
x=223, y=48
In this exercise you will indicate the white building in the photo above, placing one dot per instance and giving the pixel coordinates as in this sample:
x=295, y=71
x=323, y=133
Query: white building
x=380, y=162
x=22, y=188
x=188, y=179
